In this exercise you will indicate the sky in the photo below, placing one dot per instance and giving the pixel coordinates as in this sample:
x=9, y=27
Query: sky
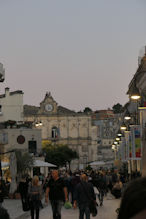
x=85, y=52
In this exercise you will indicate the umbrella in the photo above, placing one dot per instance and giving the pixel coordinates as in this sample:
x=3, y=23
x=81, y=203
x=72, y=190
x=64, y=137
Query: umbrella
x=97, y=163
x=41, y=163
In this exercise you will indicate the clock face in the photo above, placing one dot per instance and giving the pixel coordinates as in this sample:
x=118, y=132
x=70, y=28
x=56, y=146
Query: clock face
x=49, y=107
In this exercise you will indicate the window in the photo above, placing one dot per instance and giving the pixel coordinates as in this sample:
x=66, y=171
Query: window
x=32, y=147
x=55, y=132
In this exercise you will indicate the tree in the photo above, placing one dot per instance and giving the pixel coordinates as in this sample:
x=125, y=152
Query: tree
x=117, y=108
x=60, y=155
x=87, y=110
x=24, y=162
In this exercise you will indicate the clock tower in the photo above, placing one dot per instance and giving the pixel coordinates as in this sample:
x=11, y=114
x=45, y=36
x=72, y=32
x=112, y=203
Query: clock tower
x=48, y=105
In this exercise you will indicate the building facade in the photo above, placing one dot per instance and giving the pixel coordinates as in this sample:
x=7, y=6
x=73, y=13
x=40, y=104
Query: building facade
x=14, y=134
x=107, y=124
x=11, y=106
x=63, y=126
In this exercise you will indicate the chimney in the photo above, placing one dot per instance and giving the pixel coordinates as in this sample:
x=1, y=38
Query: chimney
x=7, y=91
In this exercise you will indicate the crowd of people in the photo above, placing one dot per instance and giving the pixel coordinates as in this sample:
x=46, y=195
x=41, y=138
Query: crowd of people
x=63, y=186
x=79, y=188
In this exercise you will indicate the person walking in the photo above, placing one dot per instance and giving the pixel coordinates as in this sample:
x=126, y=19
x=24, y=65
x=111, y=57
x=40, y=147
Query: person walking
x=34, y=192
x=23, y=190
x=57, y=192
x=83, y=194
x=117, y=189
x=2, y=191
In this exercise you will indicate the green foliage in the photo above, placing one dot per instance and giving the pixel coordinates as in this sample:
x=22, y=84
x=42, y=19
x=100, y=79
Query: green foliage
x=24, y=162
x=87, y=110
x=60, y=155
x=117, y=108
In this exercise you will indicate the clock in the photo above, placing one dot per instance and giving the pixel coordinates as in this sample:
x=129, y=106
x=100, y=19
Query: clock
x=49, y=107
x=20, y=139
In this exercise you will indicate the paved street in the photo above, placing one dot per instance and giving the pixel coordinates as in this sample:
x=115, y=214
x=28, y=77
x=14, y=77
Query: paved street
x=107, y=211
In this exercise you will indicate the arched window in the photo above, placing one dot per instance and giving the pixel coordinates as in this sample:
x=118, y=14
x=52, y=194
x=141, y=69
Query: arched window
x=55, y=132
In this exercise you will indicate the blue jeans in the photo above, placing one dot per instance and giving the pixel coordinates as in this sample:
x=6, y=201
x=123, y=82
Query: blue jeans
x=84, y=209
x=56, y=208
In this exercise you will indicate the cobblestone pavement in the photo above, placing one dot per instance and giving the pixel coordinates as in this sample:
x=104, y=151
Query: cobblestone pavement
x=107, y=211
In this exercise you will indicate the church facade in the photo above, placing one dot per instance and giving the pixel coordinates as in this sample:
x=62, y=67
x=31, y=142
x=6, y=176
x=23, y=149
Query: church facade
x=63, y=126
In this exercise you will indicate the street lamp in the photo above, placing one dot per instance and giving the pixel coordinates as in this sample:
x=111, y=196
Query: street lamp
x=135, y=96
x=38, y=124
x=119, y=134
x=115, y=142
x=134, y=93
x=123, y=127
x=127, y=116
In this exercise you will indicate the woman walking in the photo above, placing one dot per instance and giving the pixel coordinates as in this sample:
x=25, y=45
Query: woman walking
x=34, y=192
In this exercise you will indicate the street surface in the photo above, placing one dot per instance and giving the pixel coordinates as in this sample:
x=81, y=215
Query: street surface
x=107, y=211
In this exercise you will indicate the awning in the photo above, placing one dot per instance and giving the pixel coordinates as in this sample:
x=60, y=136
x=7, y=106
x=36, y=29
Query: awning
x=41, y=163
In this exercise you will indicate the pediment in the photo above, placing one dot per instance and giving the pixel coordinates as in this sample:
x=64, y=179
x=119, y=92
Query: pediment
x=48, y=105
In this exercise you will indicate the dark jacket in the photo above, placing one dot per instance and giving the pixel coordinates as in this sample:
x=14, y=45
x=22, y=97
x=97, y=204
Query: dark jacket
x=84, y=192
x=2, y=191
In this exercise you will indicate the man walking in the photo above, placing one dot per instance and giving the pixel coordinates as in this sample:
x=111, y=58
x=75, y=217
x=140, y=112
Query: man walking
x=83, y=194
x=57, y=192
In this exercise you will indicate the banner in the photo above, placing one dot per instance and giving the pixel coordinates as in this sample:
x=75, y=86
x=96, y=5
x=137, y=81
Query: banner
x=128, y=139
x=136, y=142
x=127, y=133
x=130, y=146
x=123, y=149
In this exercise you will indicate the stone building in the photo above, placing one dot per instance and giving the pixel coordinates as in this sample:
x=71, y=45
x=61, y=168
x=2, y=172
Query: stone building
x=137, y=107
x=11, y=106
x=108, y=124
x=14, y=134
x=63, y=126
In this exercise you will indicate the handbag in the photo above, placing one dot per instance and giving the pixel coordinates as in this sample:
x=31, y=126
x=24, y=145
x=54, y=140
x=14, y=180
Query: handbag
x=92, y=204
x=67, y=205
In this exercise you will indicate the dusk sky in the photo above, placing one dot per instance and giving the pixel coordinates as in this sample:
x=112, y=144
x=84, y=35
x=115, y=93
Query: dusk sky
x=85, y=52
